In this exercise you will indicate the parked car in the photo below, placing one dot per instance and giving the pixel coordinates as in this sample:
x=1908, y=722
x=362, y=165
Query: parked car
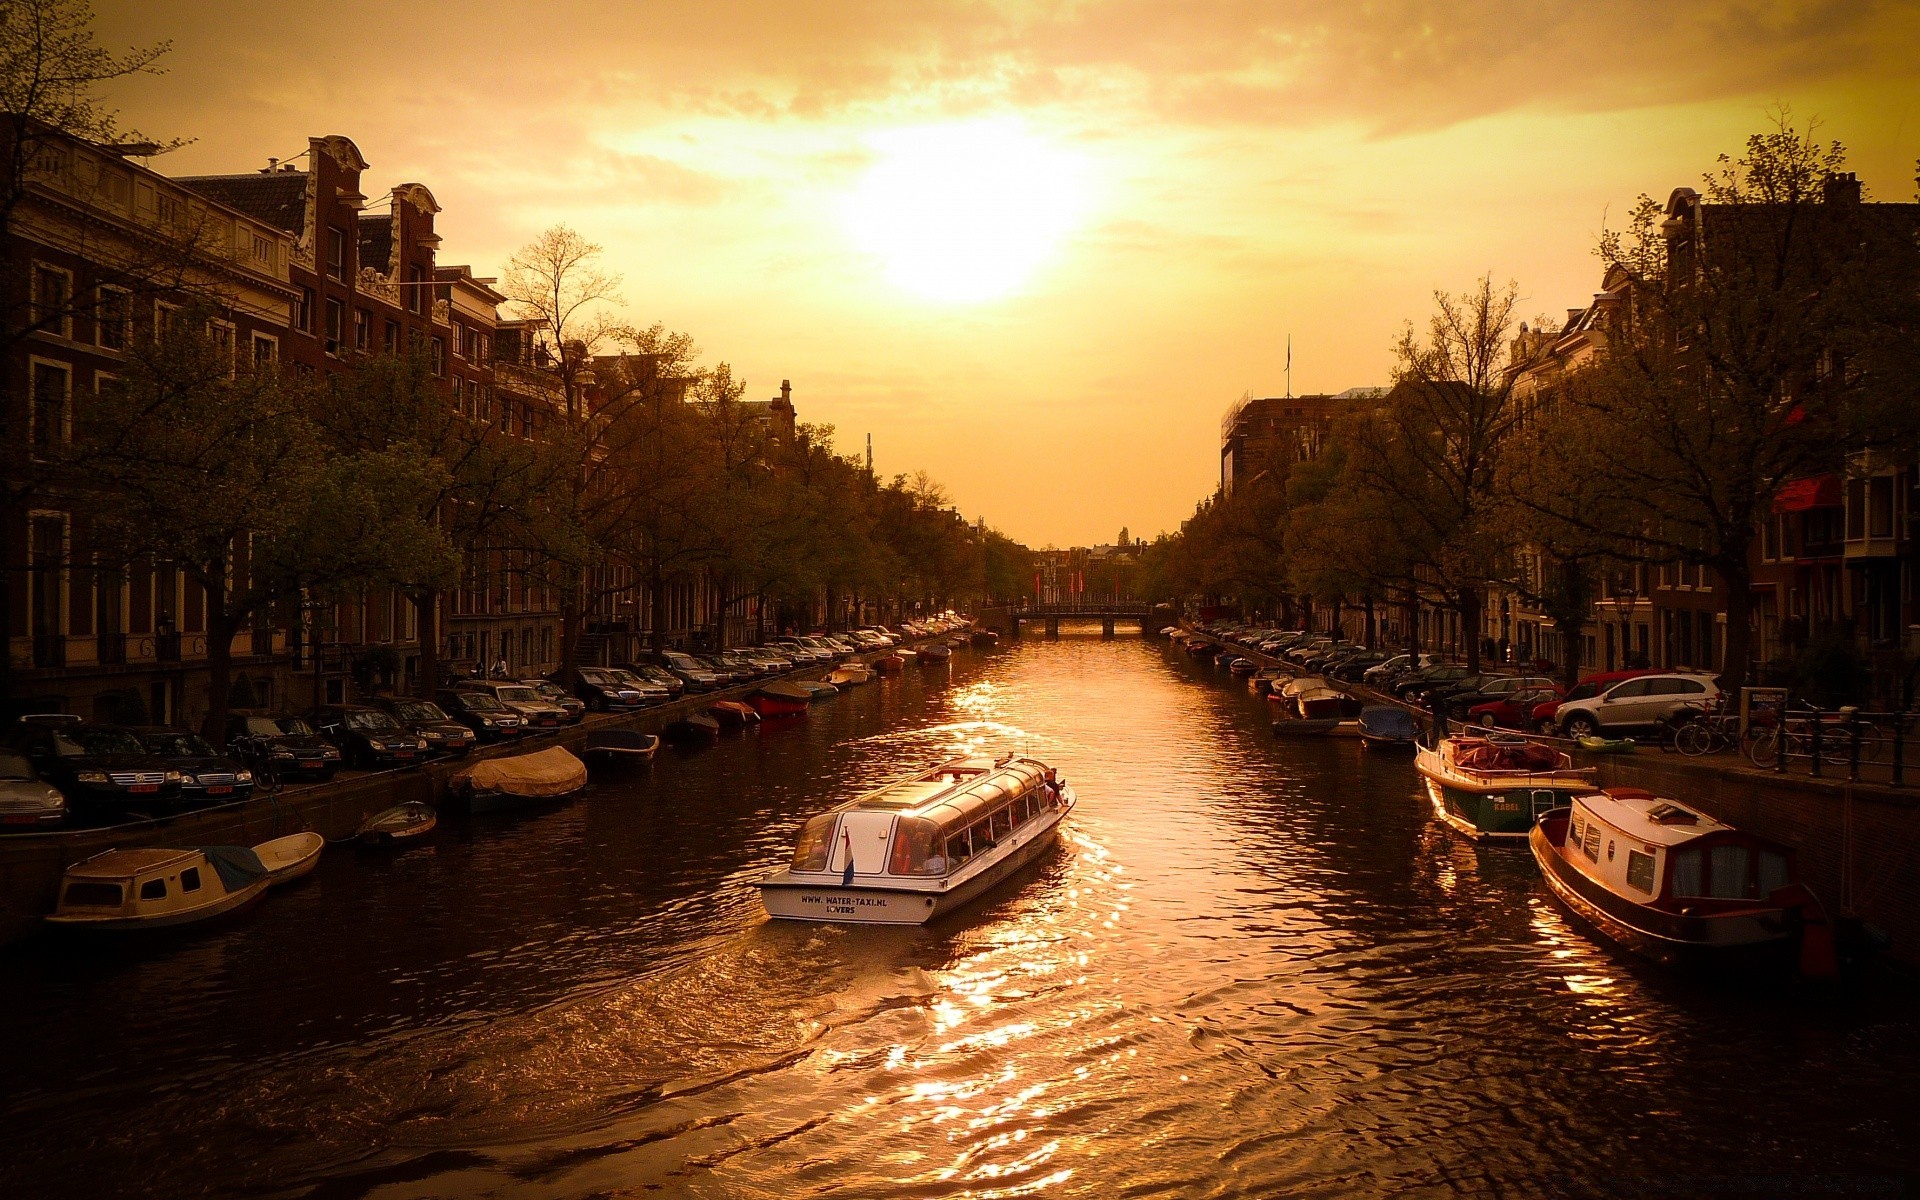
x=482, y=712
x=1635, y=704
x=1438, y=675
x=1545, y=711
x=693, y=675
x=368, y=737
x=657, y=684
x=534, y=710
x=206, y=775
x=444, y=735
x=600, y=690
x=1457, y=701
x=282, y=741
x=26, y=800
x=102, y=770
x=574, y=708
x=1513, y=710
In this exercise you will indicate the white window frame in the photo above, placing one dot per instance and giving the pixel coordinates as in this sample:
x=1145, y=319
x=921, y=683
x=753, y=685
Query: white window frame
x=272, y=343
x=100, y=295
x=34, y=362
x=64, y=328
x=61, y=617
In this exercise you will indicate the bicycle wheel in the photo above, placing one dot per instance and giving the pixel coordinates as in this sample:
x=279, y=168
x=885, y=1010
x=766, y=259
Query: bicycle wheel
x=1764, y=748
x=1694, y=738
x=1874, y=743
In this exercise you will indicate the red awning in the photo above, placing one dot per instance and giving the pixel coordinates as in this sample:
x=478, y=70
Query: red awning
x=1821, y=491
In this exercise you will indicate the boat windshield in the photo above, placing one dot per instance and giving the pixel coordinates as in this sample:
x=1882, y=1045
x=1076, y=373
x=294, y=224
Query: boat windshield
x=816, y=840
x=916, y=848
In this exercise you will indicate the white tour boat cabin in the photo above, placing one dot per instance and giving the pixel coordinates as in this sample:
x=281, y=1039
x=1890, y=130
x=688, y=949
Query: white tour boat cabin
x=922, y=846
x=1681, y=888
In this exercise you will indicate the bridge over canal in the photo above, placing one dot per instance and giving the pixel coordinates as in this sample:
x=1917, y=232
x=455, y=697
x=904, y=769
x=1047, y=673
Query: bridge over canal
x=1008, y=618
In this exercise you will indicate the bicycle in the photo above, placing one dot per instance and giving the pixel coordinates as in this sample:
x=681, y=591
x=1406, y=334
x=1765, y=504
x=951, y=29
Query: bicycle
x=1837, y=732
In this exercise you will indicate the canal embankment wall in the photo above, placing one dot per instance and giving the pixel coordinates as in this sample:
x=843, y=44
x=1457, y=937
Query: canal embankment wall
x=31, y=864
x=1857, y=844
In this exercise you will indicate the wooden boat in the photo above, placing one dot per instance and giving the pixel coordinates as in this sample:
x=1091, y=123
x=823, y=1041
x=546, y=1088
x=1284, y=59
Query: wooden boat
x=986, y=639
x=288, y=858
x=850, y=675
x=1387, y=727
x=1243, y=667
x=935, y=655
x=922, y=846
x=1497, y=786
x=125, y=891
x=1266, y=681
x=732, y=714
x=1600, y=745
x=503, y=784
x=780, y=699
x=692, y=730
x=1287, y=694
x=890, y=663
x=620, y=747
x=816, y=689
x=401, y=825
x=1678, y=887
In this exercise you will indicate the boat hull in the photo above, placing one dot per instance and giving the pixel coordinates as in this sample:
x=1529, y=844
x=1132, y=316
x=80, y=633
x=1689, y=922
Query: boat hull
x=778, y=706
x=230, y=905
x=1761, y=941
x=479, y=802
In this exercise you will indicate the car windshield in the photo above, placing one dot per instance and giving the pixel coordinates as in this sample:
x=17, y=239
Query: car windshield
x=481, y=702
x=597, y=678
x=419, y=710
x=14, y=766
x=74, y=743
x=261, y=727
x=295, y=727
x=370, y=721
x=518, y=695
x=177, y=745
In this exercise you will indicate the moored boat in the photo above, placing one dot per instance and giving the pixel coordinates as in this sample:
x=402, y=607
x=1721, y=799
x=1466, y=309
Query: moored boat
x=154, y=888
x=780, y=699
x=851, y=674
x=986, y=639
x=732, y=714
x=1266, y=681
x=935, y=655
x=1496, y=786
x=1676, y=886
x=692, y=730
x=922, y=846
x=288, y=858
x=889, y=664
x=501, y=784
x=816, y=689
x=1386, y=726
x=1243, y=667
x=619, y=747
x=401, y=825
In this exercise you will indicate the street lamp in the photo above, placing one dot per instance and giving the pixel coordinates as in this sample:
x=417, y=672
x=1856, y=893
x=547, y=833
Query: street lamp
x=1624, y=597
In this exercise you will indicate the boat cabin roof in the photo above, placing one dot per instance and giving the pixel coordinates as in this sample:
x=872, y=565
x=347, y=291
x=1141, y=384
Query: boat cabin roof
x=1652, y=819
x=123, y=864
x=960, y=783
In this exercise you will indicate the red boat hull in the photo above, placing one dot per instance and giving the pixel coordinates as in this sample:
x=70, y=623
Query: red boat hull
x=777, y=706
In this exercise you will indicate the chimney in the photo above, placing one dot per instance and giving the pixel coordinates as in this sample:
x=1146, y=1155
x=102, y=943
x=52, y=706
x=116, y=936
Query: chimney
x=786, y=391
x=1841, y=187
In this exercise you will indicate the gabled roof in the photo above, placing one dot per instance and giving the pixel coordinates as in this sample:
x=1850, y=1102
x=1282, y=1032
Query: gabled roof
x=277, y=197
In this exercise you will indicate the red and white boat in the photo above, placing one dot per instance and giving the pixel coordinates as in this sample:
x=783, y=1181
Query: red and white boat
x=780, y=699
x=1678, y=887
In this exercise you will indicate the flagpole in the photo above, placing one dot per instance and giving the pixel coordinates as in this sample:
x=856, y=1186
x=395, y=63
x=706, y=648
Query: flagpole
x=1289, y=366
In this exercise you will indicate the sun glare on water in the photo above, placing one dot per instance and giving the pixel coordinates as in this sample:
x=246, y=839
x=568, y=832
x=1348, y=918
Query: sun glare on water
x=967, y=212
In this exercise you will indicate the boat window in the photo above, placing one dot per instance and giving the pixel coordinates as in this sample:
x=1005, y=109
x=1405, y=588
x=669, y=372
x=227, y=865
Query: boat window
x=1729, y=871
x=1640, y=871
x=914, y=842
x=1773, y=871
x=959, y=848
x=190, y=879
x=1687, y=879
x=1590, y=845
x=94, y=895
x=1002, y=823
x=154, y=889
x=816, y=838
x=1577, y=828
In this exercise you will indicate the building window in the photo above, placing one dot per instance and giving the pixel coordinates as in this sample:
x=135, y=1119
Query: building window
x=458, y=386
x=336, y=254
x=416, y=289
x=526, y=421
x=303, y=311
x=265, y=350
x=336, y=317
x=220, y=333
x=1880, y=506
x=460, y=336
x=390, y=337
x=506, y=413
x=52, y=385
x=262, y=249
x=1856, y=509
x=439, y=356
x=52, y=300
x=110, y=321
x=362, y=329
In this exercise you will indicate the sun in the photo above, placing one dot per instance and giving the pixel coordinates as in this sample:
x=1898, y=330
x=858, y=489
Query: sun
x=966, y=212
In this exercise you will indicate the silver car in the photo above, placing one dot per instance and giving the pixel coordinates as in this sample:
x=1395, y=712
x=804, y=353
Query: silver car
x=27, y=801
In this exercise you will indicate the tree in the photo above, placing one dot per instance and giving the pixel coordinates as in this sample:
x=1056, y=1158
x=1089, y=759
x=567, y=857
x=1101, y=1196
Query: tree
x=1760, y=332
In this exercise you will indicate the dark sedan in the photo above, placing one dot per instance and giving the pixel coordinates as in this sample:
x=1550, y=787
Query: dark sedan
x=368, y=737
x=282, y=741
x=482, y=712
x=103, y=770
x=443, y=734
x=206, y=775
x=1414, y=686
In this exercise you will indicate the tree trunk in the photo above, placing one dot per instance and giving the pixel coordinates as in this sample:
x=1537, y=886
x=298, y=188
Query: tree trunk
x=426, y=614
x=1468, y=607
x=827, y=618
x=1569, y=629
x=1736, y=578
x=569, y=624
x=1373, y=629
x=222, y=623
x=657, y=598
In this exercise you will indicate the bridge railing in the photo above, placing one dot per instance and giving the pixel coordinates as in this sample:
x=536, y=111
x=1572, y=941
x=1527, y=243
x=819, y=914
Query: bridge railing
x=1087, y=607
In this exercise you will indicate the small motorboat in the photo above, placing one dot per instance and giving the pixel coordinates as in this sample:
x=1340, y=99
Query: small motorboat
x=1681, y=888
x=620, y=747
x=850, y=675
x=401, y=825
x=1201, y=648
x=780, y=699
x=502, y=784
x=935, y=655
x=732, y=714
x=153, y=888
x=1600, y=745
x=1243, y=667
x=1387, y=727
x=288, y=858
x=817, y=689
x=1497, y=786
x=986, y=639
x=890, y=663
x=1266, y=681
x=692, y=730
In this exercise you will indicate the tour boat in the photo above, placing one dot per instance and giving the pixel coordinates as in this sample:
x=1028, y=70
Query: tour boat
x=731, y=714
x=501, y=784
x=1386, y=726
x=124, y=891
x=401, y=825
x=619, y=748
x=782, y=699
x=288, y=858
x=1681, y=888
x=1496, y=786
x=922, y=846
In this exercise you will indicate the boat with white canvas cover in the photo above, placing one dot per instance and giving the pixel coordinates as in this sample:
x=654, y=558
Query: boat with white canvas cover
x=922, y=846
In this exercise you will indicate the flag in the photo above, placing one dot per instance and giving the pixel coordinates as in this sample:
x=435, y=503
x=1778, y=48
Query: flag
x=846, y=876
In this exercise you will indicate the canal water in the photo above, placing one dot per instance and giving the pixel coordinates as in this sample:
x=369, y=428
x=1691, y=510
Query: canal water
x=1253, y=968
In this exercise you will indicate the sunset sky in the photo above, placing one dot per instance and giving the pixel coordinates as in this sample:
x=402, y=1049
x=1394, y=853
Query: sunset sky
x=1035, y=249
